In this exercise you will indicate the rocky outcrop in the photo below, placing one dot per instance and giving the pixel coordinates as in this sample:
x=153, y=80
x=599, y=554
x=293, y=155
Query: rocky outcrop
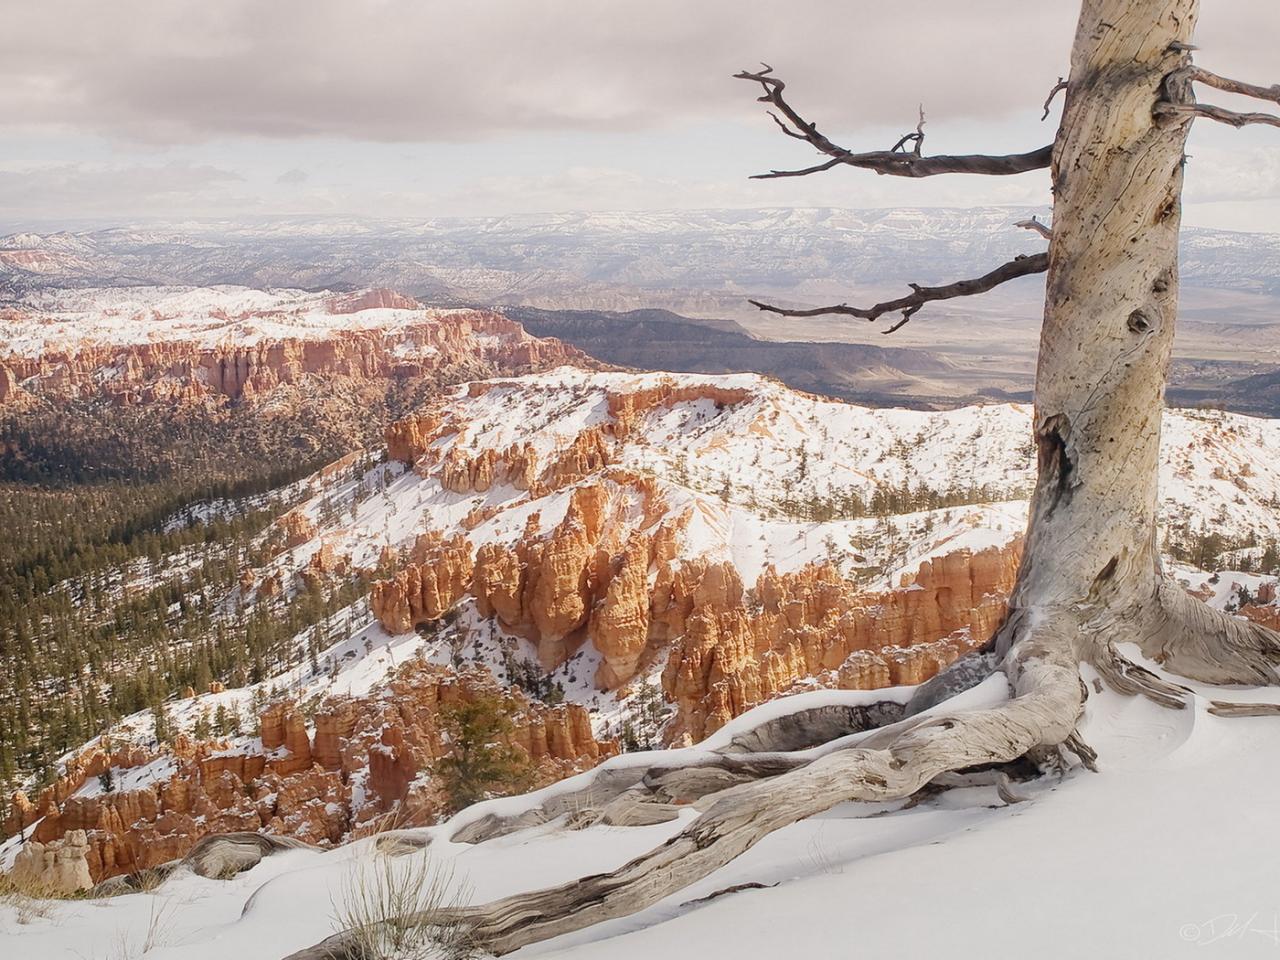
x=589, y=453
x=334, y=725
x=60, y=867
x=180, y=368
x=325, y=565
x=626, y=407
x=613, y=574
x=462, y=472
x=562, y=587
x=284, y=739
x=426, y=589
x=620, y=624
x=813, y=626
x=368, y=764
x=400, y=735
x=377, y=299
x=77, y=771
x=409, y=438
x=295, y=528
x=544, y=587
x=9, y=387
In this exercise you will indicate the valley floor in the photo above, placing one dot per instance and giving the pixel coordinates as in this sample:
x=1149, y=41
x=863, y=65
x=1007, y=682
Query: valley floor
x=1168, y=851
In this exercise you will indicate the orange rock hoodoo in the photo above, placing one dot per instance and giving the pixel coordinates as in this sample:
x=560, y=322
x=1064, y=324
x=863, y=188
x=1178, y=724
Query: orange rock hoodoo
x=606, y=574
x=1266, y=606
x=727, y=648
x=166, y=370
x=426, y=589
x=295, y=785
x=814, y=626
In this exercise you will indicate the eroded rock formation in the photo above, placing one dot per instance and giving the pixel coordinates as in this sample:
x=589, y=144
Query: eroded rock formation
x=58, y=867
x=813, y=626
x=1265, y=608
x=180, y=367
x=368, y=763
x=612, y=573
x=426, y=589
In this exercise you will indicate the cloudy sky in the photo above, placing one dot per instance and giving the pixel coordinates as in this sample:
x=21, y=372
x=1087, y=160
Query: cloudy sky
x=121, y=111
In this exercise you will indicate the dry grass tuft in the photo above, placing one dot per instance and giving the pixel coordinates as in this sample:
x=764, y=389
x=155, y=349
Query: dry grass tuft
x=29, y=899
x=404, y=908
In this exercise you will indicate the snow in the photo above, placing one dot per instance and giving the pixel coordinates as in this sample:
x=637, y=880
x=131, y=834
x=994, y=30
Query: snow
x=1085, y=867
x=1217, y=468
x=688, y=448
x=131, y=778
x=733, y=469
x=1168, y=849
x=53, y=321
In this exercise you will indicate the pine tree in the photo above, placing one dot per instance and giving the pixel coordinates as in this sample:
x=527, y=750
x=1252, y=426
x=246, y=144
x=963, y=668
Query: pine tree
x=481, y=762
x=163, y=725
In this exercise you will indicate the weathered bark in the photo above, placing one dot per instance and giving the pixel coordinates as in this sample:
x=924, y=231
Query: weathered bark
x=1091, y=575
x=1105, y=345
x=1110, y=304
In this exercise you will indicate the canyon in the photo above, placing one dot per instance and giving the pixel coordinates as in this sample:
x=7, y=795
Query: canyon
x=620, y=558
x=145, y=345
x=362, y=767
x=669, y=290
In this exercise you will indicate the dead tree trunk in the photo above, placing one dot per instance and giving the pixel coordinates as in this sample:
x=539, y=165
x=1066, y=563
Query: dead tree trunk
x=1105, y=345
x=1091, y=575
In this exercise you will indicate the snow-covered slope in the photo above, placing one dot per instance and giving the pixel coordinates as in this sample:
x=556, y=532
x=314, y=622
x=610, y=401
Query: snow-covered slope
x=141, y=343
x=68, y=321
x=666, y=553
x=741, y=471
x=1150, y=856
x=750, y=471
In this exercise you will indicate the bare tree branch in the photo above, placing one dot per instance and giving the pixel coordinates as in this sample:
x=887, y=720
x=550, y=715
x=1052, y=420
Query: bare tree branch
x=1182, y=103
x=897, y=162
x=1057, y=88
x=1210, y=112
x=1022, y=266
x=1207, y=77
x=917, y=137
x=1035, y=224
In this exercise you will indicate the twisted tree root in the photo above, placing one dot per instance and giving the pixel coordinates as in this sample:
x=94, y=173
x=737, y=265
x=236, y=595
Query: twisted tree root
x=744, y=798
x=1192, y=639
x=1048, y=702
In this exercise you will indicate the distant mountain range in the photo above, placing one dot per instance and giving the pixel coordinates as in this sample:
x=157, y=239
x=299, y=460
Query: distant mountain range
x=603, y=261
x=669, y=290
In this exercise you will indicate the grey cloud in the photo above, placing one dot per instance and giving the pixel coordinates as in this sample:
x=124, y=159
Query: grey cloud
x=89, y=190
x=440, y=69
x=487, y=71
x=187, y=70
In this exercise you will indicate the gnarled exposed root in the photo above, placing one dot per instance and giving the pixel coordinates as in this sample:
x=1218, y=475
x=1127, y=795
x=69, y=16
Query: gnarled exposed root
x=634, y=808
x=684, y=784
x=1131, y=679
x=226, y=854
x=602, y=787
x=1223, y=708
x=637, y=795
x=397, y=843
x=966, y=673
x=810, y=728
x=1193, y=639
x=1048, y=701
x=743, y=796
